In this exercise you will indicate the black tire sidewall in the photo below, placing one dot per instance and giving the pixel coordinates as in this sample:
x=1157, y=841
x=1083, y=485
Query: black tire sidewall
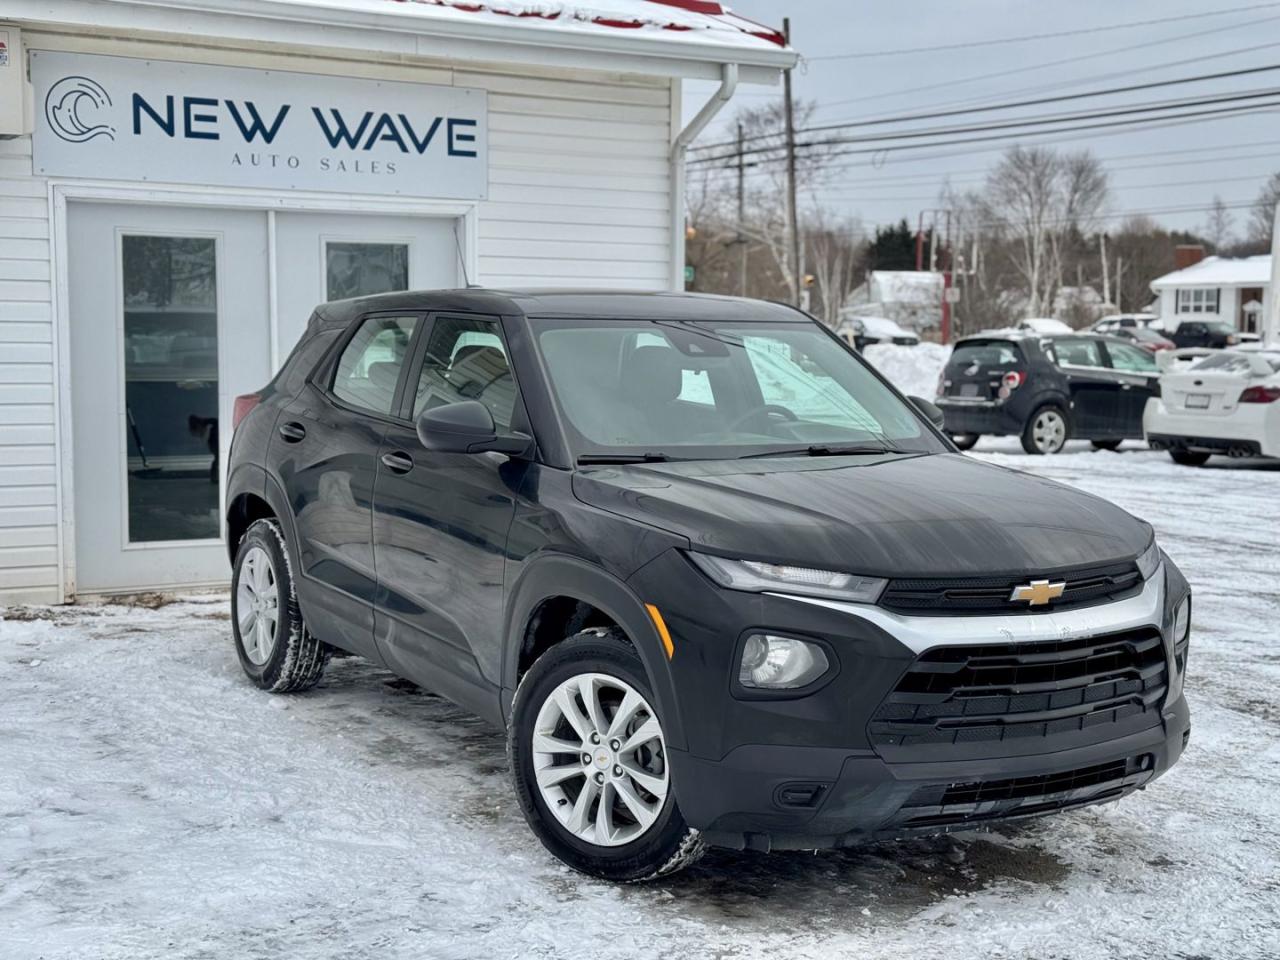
x=588, y=652
x=1028, y=430
x=263, y=534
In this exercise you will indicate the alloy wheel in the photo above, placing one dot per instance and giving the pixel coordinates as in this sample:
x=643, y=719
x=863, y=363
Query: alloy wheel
x=1049, y=431
x=600, y=759
x=257, y=605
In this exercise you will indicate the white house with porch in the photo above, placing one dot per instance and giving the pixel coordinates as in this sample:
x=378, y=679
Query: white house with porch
x=1234, y=290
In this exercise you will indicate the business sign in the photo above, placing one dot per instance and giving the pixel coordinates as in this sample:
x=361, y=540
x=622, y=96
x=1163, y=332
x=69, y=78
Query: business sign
x=117, y=118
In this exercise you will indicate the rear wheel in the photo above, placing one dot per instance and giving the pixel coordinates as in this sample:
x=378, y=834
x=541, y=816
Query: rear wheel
x=1046, y=431
x=276, y=650
x=589, y=762
x=1106, y=444
x=1189, y=459
x=965, y=441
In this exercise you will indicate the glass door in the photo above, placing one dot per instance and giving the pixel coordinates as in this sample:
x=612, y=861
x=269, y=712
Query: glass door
x=169, y=323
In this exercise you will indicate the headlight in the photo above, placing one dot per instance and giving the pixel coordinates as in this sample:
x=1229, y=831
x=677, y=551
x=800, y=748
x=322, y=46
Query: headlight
x=762, y=577
x=1149, y=562
x=780, y=663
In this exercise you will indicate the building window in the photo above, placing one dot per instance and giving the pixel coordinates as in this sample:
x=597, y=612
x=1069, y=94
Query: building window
x=364, y=269
x=1198, y=300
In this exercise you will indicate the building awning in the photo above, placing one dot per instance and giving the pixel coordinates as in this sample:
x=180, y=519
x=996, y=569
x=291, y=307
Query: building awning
x=679, y=38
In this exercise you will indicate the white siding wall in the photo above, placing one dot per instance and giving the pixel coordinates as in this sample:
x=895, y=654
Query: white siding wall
x=579, y=195
x=28, y=489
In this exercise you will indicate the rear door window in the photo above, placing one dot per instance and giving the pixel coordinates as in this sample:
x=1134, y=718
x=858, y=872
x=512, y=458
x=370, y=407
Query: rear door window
x=1077, y=352
x=1131, y=359
x=369, y=366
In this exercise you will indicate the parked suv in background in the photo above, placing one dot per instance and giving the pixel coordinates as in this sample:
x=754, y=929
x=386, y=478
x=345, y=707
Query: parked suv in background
x=1046, y=389
x=719, y=581
x=1215, y=334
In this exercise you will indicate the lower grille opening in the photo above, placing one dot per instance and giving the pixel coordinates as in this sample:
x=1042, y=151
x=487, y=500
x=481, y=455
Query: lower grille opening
x=959, y=803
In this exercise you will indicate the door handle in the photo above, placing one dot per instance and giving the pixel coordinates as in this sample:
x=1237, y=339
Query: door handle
x=292, y=432
x=1126, y=386
x=398, y=462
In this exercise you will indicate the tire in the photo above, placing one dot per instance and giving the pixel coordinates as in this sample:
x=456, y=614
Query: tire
x=965, y=441
x=1187, y=458
x=1040, y=436
x=652, y=843
x=1106, y=444
x=279, y=654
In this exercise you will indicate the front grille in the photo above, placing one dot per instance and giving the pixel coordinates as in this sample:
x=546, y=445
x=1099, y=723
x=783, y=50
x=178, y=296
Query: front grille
x=1098, y=584
x=940, y=805
x=990, y=696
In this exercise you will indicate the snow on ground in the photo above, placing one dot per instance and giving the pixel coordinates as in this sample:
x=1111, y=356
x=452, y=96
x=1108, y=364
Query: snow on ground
x=913, y=370
x=154, y=804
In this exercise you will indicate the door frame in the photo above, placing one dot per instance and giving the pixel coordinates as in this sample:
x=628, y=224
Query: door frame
x=60, y=192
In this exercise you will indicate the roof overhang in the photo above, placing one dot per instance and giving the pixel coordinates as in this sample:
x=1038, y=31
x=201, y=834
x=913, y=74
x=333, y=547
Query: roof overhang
x=385, y=28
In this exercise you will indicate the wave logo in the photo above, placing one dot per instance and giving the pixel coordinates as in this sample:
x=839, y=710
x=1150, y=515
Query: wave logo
x=70, y=108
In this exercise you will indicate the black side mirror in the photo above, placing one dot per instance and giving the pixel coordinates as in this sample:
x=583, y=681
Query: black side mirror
x=929, y=410
x=467, y=427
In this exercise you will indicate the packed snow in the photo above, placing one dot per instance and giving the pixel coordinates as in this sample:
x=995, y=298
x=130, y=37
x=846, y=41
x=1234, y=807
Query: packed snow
x=154, y=804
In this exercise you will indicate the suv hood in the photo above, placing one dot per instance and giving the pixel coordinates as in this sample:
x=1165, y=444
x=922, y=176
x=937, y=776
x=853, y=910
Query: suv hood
x=922, y=516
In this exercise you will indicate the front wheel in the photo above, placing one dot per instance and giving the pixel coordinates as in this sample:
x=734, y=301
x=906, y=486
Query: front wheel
x=589, y=762
x=1046, y=431
x=965, y=441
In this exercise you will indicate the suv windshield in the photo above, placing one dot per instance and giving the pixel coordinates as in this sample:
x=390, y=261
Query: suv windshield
x=718, y=390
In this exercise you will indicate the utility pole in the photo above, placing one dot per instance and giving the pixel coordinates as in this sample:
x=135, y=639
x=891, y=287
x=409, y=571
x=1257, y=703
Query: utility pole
x=793, y=216
x=1119, y=277
x=946, y=283
x=920, y=243
x=1271, y=315
x=1106, y=278
x=742, y=215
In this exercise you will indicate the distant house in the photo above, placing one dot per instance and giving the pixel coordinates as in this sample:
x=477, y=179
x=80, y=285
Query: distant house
x=913, y=298
x=1236, y=290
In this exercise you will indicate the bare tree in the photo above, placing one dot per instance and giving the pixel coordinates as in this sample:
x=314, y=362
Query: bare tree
x=1262, y=216
x=1039, y=201
x=834, y=244
x=1218, y=225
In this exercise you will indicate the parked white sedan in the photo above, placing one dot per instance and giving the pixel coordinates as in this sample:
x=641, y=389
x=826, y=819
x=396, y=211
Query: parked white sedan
x=1226, y=403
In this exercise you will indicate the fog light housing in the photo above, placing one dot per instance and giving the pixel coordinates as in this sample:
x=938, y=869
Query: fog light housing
x=771, y=662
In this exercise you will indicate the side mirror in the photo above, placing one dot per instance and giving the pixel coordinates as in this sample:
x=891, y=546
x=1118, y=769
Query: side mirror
x=929, y=410
x=467, y=427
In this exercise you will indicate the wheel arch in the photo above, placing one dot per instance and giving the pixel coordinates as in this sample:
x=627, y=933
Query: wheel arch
x=571, y=580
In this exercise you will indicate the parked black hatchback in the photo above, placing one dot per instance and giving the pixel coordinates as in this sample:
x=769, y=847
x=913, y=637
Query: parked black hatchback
x=716, y=578
x=1046, y=390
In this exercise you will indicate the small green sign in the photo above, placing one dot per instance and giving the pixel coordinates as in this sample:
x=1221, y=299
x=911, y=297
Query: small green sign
x=688, y=273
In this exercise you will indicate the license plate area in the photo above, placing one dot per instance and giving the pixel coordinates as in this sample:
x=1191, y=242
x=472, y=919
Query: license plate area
x=1197, y=401
x=968, y=389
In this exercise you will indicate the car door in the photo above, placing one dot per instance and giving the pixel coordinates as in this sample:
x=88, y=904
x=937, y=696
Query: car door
x=1093, y=387
x=1139, y=377
x=441, y=520
x=328, y=443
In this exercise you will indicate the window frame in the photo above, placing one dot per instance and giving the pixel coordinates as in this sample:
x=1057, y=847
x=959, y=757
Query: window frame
x=403, y=408
x=1104, y=359
x=328, y=372
x=1194, y=301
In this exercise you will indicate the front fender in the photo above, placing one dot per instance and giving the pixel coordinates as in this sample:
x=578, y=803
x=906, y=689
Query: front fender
x=557, y=575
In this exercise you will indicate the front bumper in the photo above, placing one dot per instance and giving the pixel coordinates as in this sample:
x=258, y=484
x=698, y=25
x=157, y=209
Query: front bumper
x=806, y=772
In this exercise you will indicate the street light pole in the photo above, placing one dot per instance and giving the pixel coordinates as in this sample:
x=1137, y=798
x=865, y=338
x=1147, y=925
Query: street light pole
x=793, y=217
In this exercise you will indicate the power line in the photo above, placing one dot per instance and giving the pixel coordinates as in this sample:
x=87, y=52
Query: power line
x=1012, y=105
x=957, y=81
x=863, y=194
x=1036, y=121
x=865, y=54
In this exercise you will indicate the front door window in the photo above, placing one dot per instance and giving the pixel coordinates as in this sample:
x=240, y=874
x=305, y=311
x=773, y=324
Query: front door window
x=170, y=293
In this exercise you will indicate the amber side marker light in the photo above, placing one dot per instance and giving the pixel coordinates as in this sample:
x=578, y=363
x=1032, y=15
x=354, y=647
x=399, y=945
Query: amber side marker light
x=656, y=616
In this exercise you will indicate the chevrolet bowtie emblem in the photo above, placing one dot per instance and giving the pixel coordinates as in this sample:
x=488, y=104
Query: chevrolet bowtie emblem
x=1038, y=592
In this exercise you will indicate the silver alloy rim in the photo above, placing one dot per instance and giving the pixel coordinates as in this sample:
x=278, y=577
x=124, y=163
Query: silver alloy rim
x=257, y=605
x=600, y=759
x=1049, y=431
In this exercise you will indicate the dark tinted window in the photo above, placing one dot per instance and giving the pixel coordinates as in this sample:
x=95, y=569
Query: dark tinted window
x=987, y=354
x=466, y=360
x=370, y=363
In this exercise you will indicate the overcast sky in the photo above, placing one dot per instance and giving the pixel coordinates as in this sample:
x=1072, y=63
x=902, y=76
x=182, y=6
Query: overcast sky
x=1179, y=166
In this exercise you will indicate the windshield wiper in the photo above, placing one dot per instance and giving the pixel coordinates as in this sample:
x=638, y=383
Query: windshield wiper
x=822, y=450
x=603, y=458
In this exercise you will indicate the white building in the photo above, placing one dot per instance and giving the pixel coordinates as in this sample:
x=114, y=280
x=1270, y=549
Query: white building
x=181, y=182
x=912, y=298
x=1235, y=290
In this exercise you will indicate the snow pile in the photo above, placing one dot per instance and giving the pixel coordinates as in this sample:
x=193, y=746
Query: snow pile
x=913, y=370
